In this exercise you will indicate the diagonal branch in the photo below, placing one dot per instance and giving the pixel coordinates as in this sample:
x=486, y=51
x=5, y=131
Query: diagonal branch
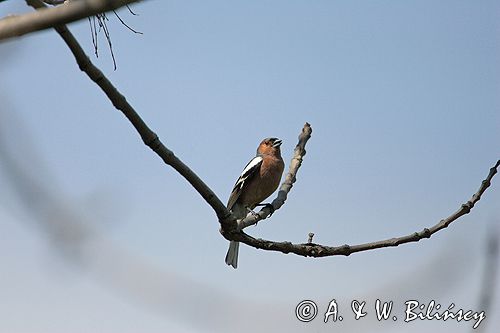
x=148, y=136
x=229, y=227
x=317, y=250
x=18, y=25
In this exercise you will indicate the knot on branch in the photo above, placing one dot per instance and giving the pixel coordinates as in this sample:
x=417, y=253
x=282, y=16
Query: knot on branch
x=310, y=238
x=467, y=206
x=346, y=249
x=152, y=141
x=426, y=233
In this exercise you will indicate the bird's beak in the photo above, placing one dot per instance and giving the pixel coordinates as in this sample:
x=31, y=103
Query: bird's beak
x=277, y=143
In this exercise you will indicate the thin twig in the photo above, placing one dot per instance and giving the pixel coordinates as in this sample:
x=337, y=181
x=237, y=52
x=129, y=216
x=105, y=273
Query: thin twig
x=125, y=24
x=102, y=18
x=131, y=12
x=93, y=33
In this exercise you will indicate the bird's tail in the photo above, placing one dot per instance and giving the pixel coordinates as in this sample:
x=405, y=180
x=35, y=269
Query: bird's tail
x=232, y=254
x=239, y=211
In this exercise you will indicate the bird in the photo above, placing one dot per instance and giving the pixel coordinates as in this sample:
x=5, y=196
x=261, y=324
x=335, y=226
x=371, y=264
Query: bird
x=258, y=180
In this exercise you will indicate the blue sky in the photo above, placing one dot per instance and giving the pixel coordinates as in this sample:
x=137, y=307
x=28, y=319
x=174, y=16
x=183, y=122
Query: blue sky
x=403, y=101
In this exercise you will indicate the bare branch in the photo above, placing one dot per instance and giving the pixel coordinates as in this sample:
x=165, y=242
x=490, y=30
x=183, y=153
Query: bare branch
x=229, y=229
x=317, y=250
x=18, y=25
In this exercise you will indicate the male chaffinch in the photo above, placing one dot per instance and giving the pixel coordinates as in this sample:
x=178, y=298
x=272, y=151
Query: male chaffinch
x=259, y=179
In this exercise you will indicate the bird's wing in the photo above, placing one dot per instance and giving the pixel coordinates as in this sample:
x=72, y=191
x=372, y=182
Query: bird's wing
x=252, y=167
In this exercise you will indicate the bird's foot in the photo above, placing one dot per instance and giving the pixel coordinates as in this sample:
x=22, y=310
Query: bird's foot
x=268, y=205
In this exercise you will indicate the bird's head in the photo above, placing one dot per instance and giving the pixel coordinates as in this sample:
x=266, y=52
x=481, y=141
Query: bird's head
x=270, y=146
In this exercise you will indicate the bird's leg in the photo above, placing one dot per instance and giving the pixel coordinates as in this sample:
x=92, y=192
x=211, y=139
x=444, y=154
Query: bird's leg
x=268, y=205
x=251, y=212
x=254, y=214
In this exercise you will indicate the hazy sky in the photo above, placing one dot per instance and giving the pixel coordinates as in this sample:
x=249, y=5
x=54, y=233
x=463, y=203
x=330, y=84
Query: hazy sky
x=403, y=98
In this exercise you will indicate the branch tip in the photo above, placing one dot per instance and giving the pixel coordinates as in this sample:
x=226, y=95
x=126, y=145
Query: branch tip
x=310, y=237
